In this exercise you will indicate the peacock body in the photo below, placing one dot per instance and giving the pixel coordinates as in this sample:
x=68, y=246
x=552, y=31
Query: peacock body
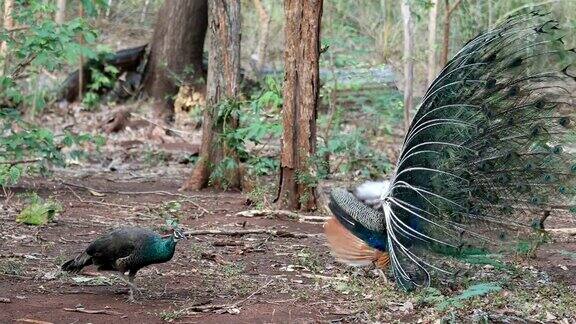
x=126, y=249
x=486, y=147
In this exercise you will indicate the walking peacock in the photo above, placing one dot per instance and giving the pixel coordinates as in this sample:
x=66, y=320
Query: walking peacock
x=126, y=249
x=486, y=147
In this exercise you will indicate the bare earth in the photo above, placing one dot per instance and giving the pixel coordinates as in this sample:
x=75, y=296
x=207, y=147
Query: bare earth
x=256, y=278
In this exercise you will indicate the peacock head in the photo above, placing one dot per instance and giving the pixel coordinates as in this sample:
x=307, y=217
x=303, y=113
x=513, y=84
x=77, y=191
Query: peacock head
x=178, y=234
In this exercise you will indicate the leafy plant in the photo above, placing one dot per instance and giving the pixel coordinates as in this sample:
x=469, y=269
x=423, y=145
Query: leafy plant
x=471, y=292
x=39, y=212
x=26, y=148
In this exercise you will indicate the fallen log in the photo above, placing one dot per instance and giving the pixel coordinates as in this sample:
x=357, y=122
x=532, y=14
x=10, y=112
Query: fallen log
x=126, y=60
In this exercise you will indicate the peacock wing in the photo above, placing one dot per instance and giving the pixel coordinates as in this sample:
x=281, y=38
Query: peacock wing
x=112, y=246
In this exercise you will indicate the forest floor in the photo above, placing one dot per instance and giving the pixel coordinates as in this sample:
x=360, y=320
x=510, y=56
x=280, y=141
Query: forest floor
x=283, y=274
x=255, y=278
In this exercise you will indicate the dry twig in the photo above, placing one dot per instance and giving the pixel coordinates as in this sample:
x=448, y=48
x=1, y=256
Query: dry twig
x=278, y=233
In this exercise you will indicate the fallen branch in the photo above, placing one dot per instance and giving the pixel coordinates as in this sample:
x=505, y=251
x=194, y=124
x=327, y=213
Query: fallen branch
x=11, y=163
x=569, y=231
x=278, y=233
x=92, y=311
x=97, y=202
x=136, y=193
x=281, y=213
x=29, y=320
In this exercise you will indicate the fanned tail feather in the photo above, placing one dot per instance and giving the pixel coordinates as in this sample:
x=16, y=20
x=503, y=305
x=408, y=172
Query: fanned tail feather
x=487, y=146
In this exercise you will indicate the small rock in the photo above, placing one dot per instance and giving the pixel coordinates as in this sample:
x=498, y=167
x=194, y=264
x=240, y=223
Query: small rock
x=5, y=300
x=550, y=316
x=488, y=267
x=563, y=267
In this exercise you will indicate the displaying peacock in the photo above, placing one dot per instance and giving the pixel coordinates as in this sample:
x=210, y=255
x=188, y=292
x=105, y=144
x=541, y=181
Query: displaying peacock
x=126, y=249
x=488, y=146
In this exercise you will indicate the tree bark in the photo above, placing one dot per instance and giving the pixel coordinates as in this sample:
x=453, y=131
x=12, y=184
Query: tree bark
x=408, y=61
x=108, y=9
x=8, y=25
x=176, y=52
x=81, y=59
x=144, y=11
x=446, y=42
x=297, y=188
x=222, y=88
x=60, y=12
x=262, y=48
x=432, y=42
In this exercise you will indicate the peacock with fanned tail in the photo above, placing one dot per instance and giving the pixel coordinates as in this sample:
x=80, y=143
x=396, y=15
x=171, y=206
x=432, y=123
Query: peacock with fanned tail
x=488, y=146
x=126, y=249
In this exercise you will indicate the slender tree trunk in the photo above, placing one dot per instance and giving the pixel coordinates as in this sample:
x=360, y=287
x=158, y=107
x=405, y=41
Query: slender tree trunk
x=81, y=63
x=222, y=90
x=8, y=25
x=176, y=53
x=108, y=9
x=490, y=14
x=144, y=11
x=408, y=61
x=432, y=42
x=297, y=188
x=262, y=48
x=446, y=42
x=60, y=12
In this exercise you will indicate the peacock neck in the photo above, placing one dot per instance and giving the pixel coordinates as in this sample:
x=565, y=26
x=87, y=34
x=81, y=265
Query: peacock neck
x=163, y=248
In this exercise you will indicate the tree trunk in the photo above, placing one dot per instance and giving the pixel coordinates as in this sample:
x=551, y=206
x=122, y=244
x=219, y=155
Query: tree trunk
x=144, y=11
x=222, y=89
x=408, y=61
x=81, y=60
x=301, y=85
x=60, y=12
x=8, y=25
x=262, y=48
x=176, y=53
x=432, y=42
x=108, y=9
x=446, y=42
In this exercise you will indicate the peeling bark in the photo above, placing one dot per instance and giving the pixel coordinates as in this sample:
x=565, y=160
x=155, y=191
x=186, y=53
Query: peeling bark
x=177, y=47
x=223, y=85
x=297, y=188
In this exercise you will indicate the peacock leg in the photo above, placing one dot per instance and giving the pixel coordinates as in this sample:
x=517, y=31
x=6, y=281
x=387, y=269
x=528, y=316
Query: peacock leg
x=129, y=280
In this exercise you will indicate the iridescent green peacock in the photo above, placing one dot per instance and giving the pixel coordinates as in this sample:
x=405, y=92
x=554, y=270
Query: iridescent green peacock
x=489, y=145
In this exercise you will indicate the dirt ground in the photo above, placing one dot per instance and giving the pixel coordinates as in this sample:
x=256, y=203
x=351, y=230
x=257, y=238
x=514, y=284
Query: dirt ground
x=256, y=278
x=283, y=274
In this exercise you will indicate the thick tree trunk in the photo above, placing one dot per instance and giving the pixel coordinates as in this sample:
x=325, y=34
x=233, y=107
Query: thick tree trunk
x=301, y=85
x=408, y=61
x=446, y=42
x=222, y=88
x=432, y=42
x=176, y=52
x=60, y=12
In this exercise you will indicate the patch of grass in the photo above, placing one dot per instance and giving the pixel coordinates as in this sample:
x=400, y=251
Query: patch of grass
x=571, y=255
x=309, y=259
x=155, y=157
x=477, y=290
x=12, y=267
x=171, y=315
x=233, y=269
